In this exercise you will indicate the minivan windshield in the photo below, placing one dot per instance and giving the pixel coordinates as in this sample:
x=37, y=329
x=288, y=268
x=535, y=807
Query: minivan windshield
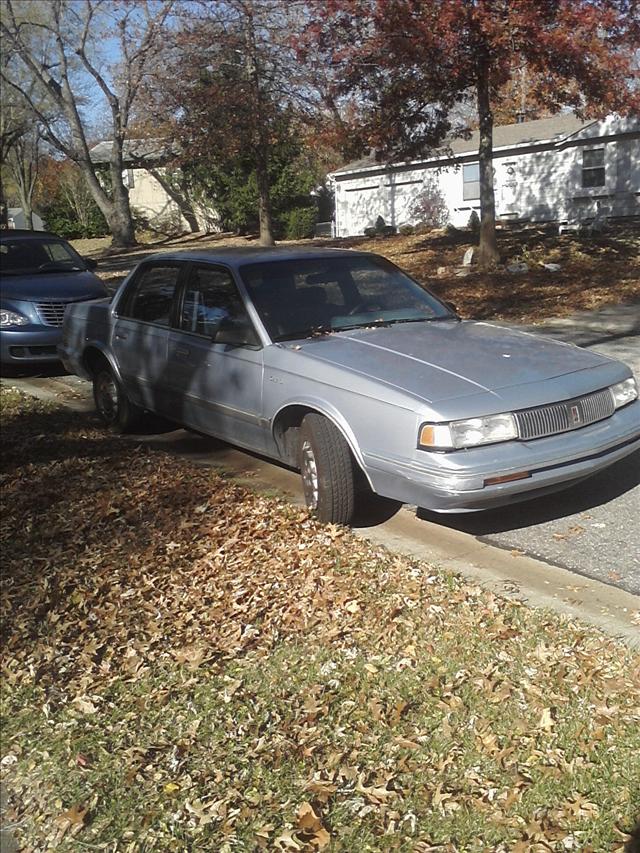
x=302, y=297
x=20, y=256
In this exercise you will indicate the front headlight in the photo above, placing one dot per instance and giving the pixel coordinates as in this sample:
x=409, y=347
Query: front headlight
x=468, y=433
x=624, y=392
x=12, y=318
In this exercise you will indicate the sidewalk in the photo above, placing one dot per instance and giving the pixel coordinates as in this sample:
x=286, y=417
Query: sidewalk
x=588, y=328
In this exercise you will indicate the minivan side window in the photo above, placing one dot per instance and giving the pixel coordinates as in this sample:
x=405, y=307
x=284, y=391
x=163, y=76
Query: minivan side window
x=151, y=298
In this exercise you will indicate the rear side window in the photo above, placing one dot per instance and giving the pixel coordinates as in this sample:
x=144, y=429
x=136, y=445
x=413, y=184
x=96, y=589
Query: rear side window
x=151, y=299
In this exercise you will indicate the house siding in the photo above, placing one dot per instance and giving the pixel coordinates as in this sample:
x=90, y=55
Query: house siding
x=540, y=181
x=148, y=198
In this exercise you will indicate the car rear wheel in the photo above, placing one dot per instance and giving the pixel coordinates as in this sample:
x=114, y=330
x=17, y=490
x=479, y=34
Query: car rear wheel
x=327, y=469
x=113, y=405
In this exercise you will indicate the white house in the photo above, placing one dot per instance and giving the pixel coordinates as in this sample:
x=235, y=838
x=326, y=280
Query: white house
x=555, y=169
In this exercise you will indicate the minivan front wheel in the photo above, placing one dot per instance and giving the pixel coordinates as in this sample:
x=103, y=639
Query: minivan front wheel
x=112, y=404
x=327, y=469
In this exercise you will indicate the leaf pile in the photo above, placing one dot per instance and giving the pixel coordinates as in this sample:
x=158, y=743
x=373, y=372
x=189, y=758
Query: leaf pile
x=188, y=665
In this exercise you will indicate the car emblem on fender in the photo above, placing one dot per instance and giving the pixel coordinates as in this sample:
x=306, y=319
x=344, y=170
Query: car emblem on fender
x=575, y=414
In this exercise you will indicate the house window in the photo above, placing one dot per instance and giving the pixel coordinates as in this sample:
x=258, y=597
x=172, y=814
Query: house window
x=593, y=167
x=470, y=181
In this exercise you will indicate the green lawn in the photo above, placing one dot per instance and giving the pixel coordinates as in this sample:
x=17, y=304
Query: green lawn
x=190, y=666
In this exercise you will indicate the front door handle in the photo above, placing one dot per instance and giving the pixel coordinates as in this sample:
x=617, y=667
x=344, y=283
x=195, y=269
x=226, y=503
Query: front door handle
x=182, y=350
x=120, y=337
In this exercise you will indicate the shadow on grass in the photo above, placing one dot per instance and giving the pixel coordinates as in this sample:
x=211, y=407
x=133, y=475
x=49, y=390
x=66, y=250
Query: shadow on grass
x=633, y=844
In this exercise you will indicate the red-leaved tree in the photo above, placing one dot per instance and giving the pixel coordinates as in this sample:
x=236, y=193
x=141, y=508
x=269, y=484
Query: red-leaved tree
x=409, y=62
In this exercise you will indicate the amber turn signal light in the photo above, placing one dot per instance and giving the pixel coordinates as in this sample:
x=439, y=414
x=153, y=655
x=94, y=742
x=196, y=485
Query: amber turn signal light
x=507, y=478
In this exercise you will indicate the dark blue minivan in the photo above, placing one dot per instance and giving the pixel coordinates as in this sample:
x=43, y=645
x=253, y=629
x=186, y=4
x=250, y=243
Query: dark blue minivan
x=40, y=274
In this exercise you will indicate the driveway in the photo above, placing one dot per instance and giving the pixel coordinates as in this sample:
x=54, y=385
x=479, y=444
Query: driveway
x=591, y=529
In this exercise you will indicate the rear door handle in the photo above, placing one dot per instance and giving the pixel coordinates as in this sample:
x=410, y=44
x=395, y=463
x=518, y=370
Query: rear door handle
x=182, y=351
x=120, y=337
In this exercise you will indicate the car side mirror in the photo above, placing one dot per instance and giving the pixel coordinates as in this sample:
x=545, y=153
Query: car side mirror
x=236, y=331
x=90, y=263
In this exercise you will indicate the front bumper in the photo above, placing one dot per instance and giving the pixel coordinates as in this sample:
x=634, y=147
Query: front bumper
x=454, y=482
x=30, y=344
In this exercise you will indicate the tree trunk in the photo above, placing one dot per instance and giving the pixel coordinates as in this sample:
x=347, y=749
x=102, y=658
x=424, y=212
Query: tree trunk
x=260, y=133
x=121, y=221
x=264, y=200
x=488, y=255
x=118, y=217
x=4, y=209
x=28, y=215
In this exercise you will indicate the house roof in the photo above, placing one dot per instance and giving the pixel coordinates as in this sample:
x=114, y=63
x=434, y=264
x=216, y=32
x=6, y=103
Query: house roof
x=134, y=150
x=504, y=136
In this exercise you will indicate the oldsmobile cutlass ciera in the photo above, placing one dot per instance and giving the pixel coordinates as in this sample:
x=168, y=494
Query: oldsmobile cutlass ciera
x=338, y=363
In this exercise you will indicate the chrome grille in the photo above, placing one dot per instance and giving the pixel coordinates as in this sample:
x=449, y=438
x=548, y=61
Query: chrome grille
x=51, y=313
x=565, y=416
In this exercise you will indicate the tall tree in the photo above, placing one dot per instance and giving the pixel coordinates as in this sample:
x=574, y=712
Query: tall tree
x=15, y=123
x=64, y=47
x=233, y=90
x=230, y=85
x=23, y=160
x=410, y=62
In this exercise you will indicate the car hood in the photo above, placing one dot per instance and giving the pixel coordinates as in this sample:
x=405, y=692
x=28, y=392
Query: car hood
x=446, y=359
x=52, y=287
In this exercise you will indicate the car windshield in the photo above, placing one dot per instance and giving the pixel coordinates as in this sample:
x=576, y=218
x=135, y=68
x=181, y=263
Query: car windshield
x=302, y=297
x=19, y=256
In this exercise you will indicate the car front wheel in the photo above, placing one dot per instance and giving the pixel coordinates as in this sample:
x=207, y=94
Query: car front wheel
x=327, y=469
x=113, y=405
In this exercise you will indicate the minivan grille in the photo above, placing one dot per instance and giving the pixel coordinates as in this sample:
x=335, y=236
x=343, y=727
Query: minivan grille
x=51, y=313
x=562, y=417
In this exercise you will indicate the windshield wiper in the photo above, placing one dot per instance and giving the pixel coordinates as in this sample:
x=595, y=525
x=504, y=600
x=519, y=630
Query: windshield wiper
x=379, y=323
x=428, y=319
x=315, y=332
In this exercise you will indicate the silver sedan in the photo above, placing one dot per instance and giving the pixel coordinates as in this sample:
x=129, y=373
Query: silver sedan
x=338, y=363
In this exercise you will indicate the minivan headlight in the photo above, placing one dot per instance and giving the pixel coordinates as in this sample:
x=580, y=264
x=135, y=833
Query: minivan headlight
x=12, y=318
x=471, y=432
x=624, y=392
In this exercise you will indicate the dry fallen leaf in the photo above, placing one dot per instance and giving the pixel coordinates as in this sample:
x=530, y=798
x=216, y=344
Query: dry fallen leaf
x=75, y=816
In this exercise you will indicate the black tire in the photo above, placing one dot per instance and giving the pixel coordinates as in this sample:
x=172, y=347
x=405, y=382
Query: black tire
x=112, y=404
x=328, y=470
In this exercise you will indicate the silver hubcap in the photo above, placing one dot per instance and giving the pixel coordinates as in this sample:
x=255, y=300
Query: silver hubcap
x=107, y=397
x=309, y=471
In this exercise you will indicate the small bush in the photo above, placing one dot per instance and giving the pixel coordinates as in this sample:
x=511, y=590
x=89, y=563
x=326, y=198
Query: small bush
x=430, y=209
x=389, y=230
x=406, y=230
x=300, y=223
x=474, y=222
x=380, y=225
x=370, y=231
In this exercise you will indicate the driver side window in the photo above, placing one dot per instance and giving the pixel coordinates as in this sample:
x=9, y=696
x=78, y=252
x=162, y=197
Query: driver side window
x=211, y=297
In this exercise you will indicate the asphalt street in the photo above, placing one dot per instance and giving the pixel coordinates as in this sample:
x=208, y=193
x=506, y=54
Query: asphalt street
x=591, y=529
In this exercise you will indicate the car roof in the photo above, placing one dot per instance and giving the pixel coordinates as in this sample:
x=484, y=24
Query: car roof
x=11, y=233
x=236, y=256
